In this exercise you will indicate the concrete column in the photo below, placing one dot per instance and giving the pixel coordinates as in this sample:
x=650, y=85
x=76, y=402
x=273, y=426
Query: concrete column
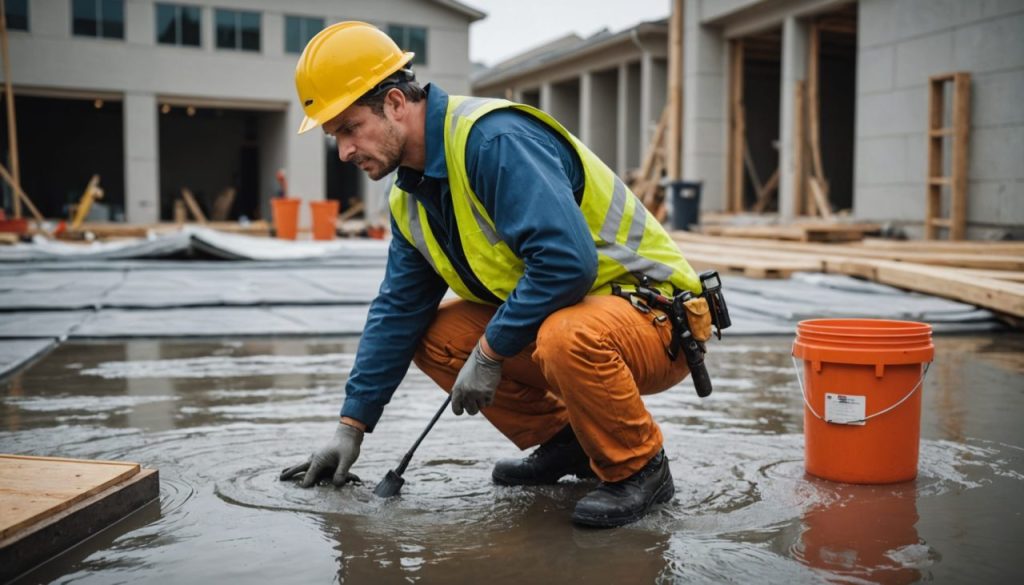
x=704, y=99
x=139, y=22
x=586, y=108
x=622, y=121
x=546, y=94
x=142, y=158
x=794, y=69
x=646, y=98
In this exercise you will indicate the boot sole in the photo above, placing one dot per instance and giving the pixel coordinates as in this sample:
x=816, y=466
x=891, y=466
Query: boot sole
x=665, y=493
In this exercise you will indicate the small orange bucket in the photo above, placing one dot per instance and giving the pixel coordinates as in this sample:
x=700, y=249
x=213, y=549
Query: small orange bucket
x=325, y=218
x=286, y=216
x=862, y=400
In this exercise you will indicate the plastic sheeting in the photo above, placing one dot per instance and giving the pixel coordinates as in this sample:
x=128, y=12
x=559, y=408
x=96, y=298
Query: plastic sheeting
x=324, y=288
x=195, y=241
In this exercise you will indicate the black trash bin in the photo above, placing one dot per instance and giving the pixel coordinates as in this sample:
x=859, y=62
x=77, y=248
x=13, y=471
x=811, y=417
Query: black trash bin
x=685, y=203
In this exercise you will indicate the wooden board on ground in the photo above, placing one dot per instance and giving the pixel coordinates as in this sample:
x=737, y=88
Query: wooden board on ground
x=748, y=265
x=830, y=232
x=998, y=295
x=49, y=504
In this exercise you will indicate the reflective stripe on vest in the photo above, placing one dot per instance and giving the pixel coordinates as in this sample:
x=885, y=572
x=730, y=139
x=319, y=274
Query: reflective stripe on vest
x=630, y=242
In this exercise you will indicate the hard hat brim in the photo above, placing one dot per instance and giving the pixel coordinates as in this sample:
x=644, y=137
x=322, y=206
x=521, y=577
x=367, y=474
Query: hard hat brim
x=309, y=123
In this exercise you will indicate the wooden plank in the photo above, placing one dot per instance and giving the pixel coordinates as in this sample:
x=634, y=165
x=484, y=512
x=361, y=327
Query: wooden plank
x=57, y=533
x=987, y=261
x=820, y=198
x=961, y=139
x=961, y=247
x=800, y=232
x=998, y=295
x=746, y=265
x=764, y=195
x=33, y=488
x=21, y=196
x=933, y=194
x=193, y=206
x=814, y=102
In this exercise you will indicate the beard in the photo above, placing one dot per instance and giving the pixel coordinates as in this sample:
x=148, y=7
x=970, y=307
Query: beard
x=392, y=151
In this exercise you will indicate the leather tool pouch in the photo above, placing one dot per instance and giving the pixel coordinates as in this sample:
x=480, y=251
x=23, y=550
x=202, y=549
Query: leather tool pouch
x=698, y=315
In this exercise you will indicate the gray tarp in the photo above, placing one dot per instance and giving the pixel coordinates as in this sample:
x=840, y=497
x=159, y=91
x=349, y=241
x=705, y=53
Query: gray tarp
x=324, y=288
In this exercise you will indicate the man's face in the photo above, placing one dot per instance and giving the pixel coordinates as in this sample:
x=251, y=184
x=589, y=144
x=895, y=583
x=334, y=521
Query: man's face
x=373, y=143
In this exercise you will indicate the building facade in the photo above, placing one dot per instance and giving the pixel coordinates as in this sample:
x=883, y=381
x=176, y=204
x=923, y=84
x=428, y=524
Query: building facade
x=778, y=91
x=160, y=96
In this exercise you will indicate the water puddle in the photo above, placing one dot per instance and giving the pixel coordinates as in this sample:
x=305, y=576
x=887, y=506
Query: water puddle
x=220, y=419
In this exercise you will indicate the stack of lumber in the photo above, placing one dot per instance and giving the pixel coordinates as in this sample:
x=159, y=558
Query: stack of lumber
x=987, y=274
x=114, y=230
x=805, y=232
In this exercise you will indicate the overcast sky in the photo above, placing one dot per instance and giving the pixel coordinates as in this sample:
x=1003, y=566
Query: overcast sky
x=514, y=26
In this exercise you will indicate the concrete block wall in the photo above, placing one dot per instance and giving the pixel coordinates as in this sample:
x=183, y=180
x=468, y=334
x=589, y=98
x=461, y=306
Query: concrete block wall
x=902, y=43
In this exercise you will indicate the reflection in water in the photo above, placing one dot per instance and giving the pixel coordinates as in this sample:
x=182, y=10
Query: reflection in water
x=867, y=532
x=220, y=419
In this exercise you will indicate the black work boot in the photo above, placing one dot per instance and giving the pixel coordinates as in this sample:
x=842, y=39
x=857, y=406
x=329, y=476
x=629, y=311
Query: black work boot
x=621, y=502
x=561, y=455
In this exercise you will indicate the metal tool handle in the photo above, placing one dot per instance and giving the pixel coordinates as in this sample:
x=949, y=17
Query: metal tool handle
x=408, y=456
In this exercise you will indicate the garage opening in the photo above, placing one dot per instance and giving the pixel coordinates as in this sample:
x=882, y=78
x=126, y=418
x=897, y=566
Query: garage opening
x=218, y=155
x=837, y=78
x=754, y=141
x=62, y=143
x=343, y=180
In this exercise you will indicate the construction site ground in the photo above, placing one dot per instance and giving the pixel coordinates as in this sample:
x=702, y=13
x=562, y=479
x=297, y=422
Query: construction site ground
x=220, y=373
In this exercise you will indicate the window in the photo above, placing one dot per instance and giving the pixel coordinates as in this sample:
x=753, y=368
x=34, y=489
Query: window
x=177, y=25
x=16, y=12
x=298, y=30
x=411, y=38
x=237, y=29
x=98, y=18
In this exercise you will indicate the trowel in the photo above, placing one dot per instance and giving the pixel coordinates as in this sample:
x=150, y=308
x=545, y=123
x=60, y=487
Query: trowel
x=392, y=483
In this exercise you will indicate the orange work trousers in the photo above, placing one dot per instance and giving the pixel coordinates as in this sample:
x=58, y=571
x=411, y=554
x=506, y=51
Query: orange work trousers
x=589, y=366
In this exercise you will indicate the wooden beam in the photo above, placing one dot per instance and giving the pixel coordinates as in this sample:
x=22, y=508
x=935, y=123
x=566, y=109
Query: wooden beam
x=814, y=101
x=764, y=195
x=12, y=127
x=820, y=198
x=998, y=295
x=193, y=206
x=673, y=150
x=961, y=138
x=933, y=195
x=20, y=194
x=91, y=193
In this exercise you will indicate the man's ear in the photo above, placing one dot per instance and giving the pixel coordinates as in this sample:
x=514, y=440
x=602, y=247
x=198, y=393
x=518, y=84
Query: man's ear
x=396, y=103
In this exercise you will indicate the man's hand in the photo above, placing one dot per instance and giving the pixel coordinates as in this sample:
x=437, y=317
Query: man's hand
x=477, y=380
x=334, y=459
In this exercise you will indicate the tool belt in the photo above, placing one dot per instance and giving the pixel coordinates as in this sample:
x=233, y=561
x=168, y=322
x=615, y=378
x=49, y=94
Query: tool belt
x=692, y=316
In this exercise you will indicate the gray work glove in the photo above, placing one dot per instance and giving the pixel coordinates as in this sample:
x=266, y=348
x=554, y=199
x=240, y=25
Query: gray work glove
x=475, y=385
x=332, y=460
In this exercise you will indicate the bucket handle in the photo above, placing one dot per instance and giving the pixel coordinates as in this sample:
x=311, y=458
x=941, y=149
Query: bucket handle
x=803, y=394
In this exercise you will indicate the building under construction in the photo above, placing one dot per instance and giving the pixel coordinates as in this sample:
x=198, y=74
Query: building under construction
x=886, y=110
x=159, y=96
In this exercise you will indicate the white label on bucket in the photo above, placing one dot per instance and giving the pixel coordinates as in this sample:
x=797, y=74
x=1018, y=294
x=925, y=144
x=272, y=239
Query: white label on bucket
x=845, y=409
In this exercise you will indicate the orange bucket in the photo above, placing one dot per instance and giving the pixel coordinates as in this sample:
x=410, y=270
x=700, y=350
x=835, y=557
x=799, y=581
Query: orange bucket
x=862, y=404
x=325, y=218
x=286, y=216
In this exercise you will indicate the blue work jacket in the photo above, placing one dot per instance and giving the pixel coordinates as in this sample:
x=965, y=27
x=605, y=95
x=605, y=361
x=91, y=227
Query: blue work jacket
x=529, y=179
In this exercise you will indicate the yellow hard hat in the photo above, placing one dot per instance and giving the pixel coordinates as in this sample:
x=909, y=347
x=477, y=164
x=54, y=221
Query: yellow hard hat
x=339, y=65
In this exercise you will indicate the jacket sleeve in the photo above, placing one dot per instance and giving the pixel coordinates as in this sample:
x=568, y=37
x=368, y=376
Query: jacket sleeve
x=398, y=317
x=524, y=177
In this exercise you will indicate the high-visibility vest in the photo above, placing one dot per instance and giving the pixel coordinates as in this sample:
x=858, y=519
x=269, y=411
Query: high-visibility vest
x=630, y=242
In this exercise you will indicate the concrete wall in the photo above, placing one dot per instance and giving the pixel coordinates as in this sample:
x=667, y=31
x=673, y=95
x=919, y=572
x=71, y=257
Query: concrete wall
x=902, y=43
x=143, y=73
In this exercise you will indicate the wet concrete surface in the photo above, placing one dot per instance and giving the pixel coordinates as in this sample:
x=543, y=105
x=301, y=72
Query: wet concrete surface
x=221, y=418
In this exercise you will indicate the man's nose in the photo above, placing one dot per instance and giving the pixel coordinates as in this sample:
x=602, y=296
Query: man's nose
x=345, y=150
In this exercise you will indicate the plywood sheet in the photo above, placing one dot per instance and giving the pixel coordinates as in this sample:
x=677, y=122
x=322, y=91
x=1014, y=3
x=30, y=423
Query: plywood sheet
x=35, y=488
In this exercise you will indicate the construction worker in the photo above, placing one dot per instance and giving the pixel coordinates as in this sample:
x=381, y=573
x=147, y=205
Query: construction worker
x=499, y=202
